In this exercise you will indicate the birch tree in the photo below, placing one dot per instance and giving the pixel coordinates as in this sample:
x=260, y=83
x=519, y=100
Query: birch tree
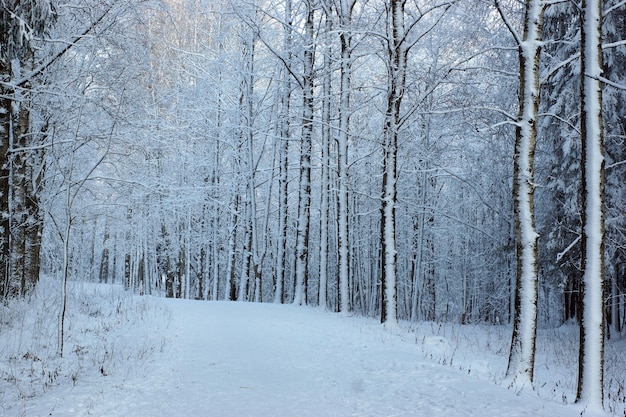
x=344, y=10
x=21, y=23
x=397, y=50
x=590, y=390
x=614, y=121
x=304, y=194
x=249, y=268
x=522, y=354
x=401, y=36
x=283, y=155
x=325, y=180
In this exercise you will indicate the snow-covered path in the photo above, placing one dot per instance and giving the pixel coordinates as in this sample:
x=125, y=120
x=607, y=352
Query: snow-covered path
x=244, y=359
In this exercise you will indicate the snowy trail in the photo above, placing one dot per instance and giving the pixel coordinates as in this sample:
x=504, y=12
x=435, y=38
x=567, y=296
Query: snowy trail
x=244, y=359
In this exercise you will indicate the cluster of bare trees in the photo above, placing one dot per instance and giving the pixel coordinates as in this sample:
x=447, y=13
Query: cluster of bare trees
x=58, y=122
x=401, y=159
x=20, y=175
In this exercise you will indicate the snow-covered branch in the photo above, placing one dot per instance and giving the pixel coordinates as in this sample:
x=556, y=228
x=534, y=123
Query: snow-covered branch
x=53, y=58
x=562, y=120
x=507, y=22
x=560, y=255
x=610, y=83
x=545, y=77
x=614, y=7
x=615, y=164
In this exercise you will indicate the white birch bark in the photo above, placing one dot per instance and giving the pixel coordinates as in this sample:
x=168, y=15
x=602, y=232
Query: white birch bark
x=229, y=293
x=397, y=52
x=591, y=358
x=283, y=151
x=187, y=243
x=246, y=258
x=251, y=246
x=22, y=24
x=281, y=241
x=215, y=183
x=304, y=213
x=522, y=353
x=325, y=180
x=215, y=262
x=342, y=163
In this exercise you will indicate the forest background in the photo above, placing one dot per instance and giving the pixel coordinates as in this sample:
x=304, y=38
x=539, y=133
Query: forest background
x=357, y=155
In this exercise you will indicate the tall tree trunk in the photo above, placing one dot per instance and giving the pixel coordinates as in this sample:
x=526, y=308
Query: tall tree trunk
x=304, y=203
x=7, y=106
x=187, y=254
x=591, y=358
x=283, y=183
x=203, y=274
x=283, y=152
x=246, y=264
x=522, y=353
x=396, y=79
x=215, y=265
x=345, y=38
x=215, y=183
x=250, y=253
x=230, y=292
x=5, y=226
x=21, y=23
x=104, y=259
x=325, y=180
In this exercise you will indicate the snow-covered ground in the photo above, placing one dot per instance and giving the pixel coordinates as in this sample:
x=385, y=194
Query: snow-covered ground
x=143, y=356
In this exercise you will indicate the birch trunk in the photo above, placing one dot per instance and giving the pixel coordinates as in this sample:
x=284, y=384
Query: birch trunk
x=246, y=263
x=203, y=273
x=250, y=251
x=215, y=181
x=215, y=264
x=21, y=24
x=522, y=353
x=283, y=183
x=20, y=190
x=104, y=260
x=591, y=357
x=187, y=243
x=342, y=163
x=230, y=290
x=396, y=55
x=285, y=100
x=325, y=186
x=304, y=213
x=5, y=227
